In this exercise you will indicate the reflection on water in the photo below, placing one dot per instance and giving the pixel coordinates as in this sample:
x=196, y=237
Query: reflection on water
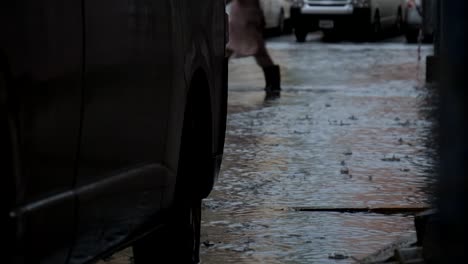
x=349, y=131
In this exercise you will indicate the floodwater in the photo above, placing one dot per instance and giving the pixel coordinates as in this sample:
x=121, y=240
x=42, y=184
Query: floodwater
x=351, y=130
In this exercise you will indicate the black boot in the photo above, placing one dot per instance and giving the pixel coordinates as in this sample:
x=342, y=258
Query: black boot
x=272, y=80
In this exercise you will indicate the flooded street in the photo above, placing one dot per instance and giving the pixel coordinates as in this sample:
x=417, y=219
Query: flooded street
x=351, y=130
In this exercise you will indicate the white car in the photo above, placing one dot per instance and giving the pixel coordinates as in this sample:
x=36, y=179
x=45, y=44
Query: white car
x=277, y=13
x=357, y=16
x=419, y=19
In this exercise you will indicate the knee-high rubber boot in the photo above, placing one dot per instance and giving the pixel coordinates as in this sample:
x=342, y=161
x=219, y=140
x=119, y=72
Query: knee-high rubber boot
x=272, y=80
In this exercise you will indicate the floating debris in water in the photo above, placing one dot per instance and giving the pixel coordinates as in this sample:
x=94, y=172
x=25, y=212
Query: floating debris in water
x=208, y=243
x=338, y=255
x=335, y=122
x=343, y=163
x=343, y=124
x=393, y=159
x=405, y=124
x=327, y=105
x=344, y=170
x=348, y=153
x=353, y=118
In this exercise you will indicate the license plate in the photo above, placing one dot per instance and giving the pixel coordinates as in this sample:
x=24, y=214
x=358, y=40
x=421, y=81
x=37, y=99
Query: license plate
x=326, y=24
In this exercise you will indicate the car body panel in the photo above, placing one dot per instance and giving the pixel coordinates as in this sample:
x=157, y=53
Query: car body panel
x=347, y=10
x=99, y=89
x=124, y=121
x=42, y=45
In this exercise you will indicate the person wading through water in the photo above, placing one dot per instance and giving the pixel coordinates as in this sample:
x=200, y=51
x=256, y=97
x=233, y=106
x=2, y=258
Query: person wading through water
x=246, y=24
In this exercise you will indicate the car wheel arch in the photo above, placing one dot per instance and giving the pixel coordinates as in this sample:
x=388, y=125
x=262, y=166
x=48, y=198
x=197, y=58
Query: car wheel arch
x=197, y=110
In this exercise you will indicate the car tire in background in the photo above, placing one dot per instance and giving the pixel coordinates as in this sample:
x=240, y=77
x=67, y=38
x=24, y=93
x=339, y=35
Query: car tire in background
x=376, y=27
x=428, y=38
x=301, y=34
x=399, y=22
x=178, y=241
x=411, y=35
x=288, y=29
x=280, y=29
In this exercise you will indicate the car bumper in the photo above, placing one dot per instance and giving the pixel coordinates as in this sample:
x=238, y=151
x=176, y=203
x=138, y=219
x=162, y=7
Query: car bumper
x=327, y=10
x=344, y=18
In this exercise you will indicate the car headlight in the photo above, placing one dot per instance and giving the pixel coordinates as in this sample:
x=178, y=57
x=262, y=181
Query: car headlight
x=297, y=3
x=361, y=3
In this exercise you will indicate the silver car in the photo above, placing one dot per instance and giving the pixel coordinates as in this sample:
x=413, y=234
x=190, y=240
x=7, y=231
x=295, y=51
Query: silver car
x=277, y=14
x=338, y=16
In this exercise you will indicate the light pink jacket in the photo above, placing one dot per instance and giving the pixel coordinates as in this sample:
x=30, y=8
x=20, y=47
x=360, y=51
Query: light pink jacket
x=246, y=23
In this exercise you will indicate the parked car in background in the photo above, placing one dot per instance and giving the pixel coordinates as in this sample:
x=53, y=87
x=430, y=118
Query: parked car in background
x=419, y=18
x=112, y=124
x=334, y=17
x=277, y=14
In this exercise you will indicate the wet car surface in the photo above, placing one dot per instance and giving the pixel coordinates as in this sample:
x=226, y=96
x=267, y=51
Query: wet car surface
x=352, y=129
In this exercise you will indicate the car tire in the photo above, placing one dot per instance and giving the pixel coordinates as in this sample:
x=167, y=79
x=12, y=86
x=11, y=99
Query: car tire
x=412, y=35
x=376, y=27
x=280, y=29
x=428, y=38
x=178, y=241
x=301, y=34
x=399, y=22
x=287, y=26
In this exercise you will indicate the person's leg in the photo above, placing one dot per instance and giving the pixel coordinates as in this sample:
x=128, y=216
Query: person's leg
x=262, y=58
x=270, y=70
x=228, y=53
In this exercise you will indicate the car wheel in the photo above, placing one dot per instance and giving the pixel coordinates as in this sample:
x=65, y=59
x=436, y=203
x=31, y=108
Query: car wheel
x=287, y=26
x=399, y=22
x=280, y=28
x=376, y=27
x=179, y=239
x=177, y=242
x=300, y=34
x=412, y=35
x=428, y=38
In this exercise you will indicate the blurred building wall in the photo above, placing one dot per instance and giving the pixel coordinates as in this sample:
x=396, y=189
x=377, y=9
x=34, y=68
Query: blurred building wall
x=452, y=45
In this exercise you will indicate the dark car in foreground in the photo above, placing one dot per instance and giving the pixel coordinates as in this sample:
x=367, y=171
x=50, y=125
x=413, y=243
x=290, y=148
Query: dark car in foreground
x=112, y=126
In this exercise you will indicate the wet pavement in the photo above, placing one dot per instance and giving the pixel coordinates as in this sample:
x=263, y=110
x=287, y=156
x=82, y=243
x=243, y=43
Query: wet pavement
x=352, y=129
